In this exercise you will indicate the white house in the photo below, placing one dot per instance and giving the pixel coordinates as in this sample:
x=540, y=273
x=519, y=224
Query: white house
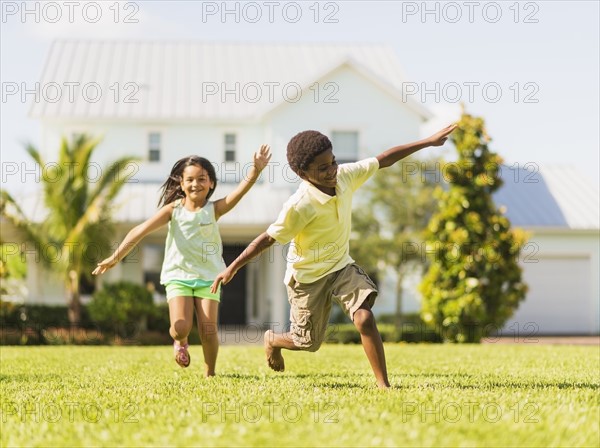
x=560, y=210
x=161, y=101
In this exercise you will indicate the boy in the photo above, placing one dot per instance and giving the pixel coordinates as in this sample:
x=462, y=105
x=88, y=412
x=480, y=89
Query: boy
x=317, y=220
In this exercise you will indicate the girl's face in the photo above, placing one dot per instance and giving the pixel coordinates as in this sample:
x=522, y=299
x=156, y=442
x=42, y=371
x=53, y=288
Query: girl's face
x=196, y=183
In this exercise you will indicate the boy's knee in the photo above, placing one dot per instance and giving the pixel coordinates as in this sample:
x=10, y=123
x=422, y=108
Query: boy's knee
x=307, y=342
x=312, y=347
x=364, y=321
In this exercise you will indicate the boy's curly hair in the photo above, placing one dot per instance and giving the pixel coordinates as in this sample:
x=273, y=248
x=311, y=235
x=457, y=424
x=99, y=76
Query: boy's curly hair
x=304, y=147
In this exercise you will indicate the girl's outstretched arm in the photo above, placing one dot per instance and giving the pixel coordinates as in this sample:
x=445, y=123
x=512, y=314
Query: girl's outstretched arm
x=134, y=236
x=261, y=160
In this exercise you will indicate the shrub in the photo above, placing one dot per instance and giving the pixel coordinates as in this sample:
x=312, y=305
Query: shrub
x=159, y=320
x=412, y=329
x=31, y=324
x=122, y=307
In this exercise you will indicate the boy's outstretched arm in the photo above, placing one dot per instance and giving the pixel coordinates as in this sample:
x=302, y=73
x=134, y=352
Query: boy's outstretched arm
x=260, y=243
x=392, y=155
x=261, y=160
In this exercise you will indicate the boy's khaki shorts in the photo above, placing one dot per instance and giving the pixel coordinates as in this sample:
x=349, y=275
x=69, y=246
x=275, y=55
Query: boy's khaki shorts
x=310, y=303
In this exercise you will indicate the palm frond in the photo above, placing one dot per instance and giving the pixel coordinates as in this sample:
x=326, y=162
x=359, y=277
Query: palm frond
x=35, y=154
x=10, y=210
x=81, y=153
x=90, y=216
x=114, y=178
x=79, y=211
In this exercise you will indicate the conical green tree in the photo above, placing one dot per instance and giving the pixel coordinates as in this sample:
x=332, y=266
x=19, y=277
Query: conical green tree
x=77, y=228
x=474, y=283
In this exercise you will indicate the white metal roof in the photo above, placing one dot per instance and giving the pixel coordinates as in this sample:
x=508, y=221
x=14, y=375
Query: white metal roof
x=174, y=80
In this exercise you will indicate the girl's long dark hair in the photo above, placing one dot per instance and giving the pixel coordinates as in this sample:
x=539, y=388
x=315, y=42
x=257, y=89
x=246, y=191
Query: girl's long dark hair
x=171, y=189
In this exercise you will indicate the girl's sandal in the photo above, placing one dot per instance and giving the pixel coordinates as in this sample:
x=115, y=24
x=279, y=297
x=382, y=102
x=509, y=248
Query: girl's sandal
x=182, y=356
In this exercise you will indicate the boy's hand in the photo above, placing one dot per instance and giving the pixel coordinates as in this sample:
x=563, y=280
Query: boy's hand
x=262, y=157
x=224, y=277
x=439, y=138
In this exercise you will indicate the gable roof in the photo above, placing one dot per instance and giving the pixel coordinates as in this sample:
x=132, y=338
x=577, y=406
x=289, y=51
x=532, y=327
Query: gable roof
x=549, y=196
x=182, y=80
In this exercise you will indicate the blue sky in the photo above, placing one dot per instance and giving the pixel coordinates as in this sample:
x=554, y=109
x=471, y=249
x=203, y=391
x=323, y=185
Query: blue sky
x=541, y=57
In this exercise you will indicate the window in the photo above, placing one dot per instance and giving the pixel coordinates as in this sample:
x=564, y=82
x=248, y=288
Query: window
x=345, y=146
x=154, y=147
x=230, y=143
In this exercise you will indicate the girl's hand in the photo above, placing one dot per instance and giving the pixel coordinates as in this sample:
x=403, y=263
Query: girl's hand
x=439, y=138
x=262, y=157
x=104, y=266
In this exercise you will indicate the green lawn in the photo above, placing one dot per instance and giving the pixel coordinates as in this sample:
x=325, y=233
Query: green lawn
x=443, y=395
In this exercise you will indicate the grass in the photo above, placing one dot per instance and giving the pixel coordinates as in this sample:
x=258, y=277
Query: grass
x=443, y=395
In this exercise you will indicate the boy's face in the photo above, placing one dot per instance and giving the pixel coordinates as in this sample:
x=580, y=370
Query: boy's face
x=322, y=172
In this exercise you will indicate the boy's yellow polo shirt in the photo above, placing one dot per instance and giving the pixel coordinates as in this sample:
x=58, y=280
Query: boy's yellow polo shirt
x=318, y=225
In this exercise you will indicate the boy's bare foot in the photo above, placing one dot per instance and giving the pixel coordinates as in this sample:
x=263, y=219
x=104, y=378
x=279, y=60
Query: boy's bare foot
x=274, y=358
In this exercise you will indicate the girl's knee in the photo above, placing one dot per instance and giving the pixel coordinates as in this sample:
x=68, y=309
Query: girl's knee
x=180, y=329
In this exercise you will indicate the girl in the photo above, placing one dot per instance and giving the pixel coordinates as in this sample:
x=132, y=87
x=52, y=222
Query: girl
x=193, y=253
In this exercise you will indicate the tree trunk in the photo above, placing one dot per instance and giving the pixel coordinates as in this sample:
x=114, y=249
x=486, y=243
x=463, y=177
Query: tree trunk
x=74, y=299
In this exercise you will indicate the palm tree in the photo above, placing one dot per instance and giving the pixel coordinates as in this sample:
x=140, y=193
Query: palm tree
x=78, y=222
